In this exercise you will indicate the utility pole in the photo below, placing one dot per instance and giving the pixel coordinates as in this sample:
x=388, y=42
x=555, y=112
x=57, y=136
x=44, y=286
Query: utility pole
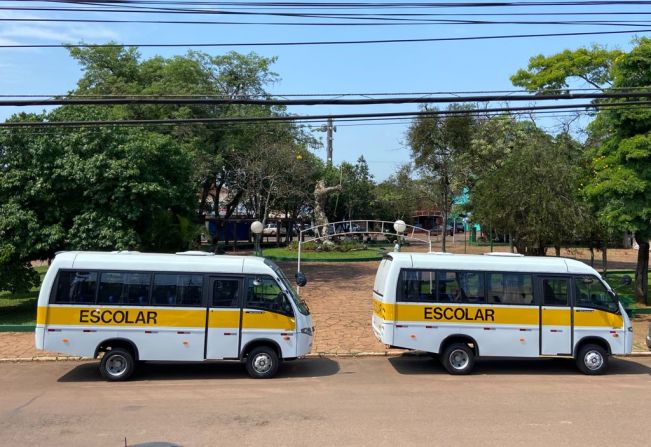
x=329, y=129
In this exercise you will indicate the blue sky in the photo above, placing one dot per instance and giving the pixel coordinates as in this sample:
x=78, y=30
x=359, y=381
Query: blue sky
x=413, y=67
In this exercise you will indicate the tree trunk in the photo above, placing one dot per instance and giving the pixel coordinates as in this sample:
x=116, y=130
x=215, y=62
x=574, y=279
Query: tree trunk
x=558, y=250
x=591, y=256
x=604, y=258
x=444, y=225
x=642, y=271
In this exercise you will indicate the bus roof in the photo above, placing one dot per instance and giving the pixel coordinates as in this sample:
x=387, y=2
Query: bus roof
x=542, y=264
x=180, y=262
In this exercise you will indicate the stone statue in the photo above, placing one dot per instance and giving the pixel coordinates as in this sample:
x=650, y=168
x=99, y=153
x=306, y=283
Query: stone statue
x=320, y=193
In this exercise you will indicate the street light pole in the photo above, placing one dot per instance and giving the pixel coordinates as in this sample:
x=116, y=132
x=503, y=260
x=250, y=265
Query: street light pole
x=400, y=226
x=256, y=229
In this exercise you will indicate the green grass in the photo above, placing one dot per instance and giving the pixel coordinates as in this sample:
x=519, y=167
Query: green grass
x=20, y=308
x=330, y=255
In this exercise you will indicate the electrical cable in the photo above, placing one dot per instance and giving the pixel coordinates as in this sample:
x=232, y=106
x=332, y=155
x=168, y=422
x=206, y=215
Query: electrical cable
x=325, y=42
x=307, y=118
x=319, y=101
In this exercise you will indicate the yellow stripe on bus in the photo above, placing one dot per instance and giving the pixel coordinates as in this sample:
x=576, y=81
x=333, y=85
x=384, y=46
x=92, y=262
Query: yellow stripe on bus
x=268, y=320
x=491, y=314
x=224, y=319
x=156, y=317
x=121, y=316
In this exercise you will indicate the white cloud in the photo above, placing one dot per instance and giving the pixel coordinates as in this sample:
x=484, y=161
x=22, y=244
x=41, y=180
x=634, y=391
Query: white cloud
x=53, y=32
x=4, y=41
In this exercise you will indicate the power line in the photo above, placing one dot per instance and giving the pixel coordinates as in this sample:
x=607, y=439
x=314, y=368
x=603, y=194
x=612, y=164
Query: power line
x=314, y=43
x=319, y=101
x=416, y=22
x=359, y=5
x=342, y=94
x=307, y=118
x=360, y=122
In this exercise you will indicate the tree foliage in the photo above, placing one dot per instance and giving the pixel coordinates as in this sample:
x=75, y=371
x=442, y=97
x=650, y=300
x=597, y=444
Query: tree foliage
x=118, y=187
x=437, y=144
x=533, y=194
x=619, y=185
x=553, y=74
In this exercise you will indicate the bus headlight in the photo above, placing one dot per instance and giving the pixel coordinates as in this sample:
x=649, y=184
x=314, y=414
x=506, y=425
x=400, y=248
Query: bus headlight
x=307, y=331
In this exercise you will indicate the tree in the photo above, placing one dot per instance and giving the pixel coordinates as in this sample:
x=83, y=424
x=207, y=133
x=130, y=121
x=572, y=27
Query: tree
x=534, y=194
x=81, y=188
x=108, y=188
x=437, y=142
x=355, y=201
x=620, y=184
x=216, y=149
x=397, y=197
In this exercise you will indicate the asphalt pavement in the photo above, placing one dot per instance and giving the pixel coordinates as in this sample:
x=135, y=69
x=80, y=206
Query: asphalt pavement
x=381, y=401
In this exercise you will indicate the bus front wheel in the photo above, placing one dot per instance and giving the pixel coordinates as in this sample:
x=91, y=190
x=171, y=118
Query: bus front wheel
x=262, y=363
x=458, y=359
x=117, y=364
x=592, y=360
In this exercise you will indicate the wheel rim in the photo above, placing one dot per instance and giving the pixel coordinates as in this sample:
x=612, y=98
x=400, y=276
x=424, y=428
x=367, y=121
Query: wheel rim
x=593, y=360
x=116, y=365
x=262, y=363
x=459, y=359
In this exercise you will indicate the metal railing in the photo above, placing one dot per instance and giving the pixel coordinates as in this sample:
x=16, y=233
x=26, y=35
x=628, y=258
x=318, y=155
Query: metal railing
x=359, y=227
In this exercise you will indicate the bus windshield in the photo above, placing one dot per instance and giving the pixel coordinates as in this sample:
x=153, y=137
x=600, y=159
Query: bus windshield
x=300, y=304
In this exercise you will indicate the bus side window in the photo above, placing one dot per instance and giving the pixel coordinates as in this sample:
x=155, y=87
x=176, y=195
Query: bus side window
x=226, y=293
x=555, y=291
x=472, y=287
x=510, y=288
x=177, y=290
x=449, y=290
x=417, y=286
x=76, y=287
x=137, y=288
x=190, y=290
x=110, y=288
x=164, y=292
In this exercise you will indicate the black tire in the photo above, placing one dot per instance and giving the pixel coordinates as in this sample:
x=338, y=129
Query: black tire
x=117, y=364
x=458, y=359
x=592, y=360
x=262, y=363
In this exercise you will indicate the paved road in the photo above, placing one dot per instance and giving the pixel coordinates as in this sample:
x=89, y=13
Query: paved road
x=399, y=401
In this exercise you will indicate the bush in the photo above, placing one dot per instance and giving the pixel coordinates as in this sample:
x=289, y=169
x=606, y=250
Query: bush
x=340, y=246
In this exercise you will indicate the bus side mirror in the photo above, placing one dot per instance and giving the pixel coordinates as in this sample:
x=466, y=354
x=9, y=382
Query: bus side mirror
x=626, y=280
x=301, y=280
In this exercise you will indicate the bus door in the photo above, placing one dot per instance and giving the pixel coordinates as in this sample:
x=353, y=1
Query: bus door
x=556, y=322
x=224, y=317
x=268, y=315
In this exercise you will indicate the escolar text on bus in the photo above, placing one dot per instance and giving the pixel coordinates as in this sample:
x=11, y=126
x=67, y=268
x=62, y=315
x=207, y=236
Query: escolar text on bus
x=458, y=313
x=117, y=316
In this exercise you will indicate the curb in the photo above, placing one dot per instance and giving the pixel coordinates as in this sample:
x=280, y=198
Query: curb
x=319, y=355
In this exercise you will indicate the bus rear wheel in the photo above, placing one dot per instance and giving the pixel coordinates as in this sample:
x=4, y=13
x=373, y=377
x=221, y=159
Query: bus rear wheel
x=117, y=364
x=458, y=359
x=592, y=360
x=262, y=363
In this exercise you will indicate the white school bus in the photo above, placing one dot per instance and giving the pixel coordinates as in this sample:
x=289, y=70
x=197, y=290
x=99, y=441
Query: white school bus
x=466, y=306
x=128, y=307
